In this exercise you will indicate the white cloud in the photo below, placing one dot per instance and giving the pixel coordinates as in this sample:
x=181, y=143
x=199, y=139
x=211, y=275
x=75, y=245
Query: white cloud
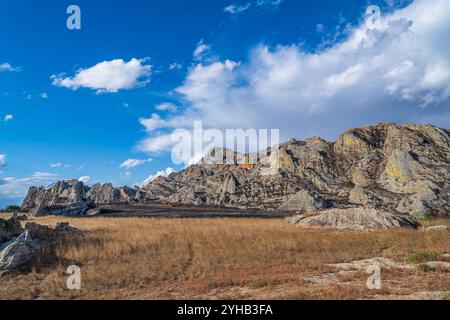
x=320, y=27
x=346, y=79
x=236, y=9
x=175, y=66
x=201, y=50
x=6, y=67
x=59, y=165
x=2, y=160
x=166, y=107
x=44, y=95
x=8, y=117
x=17, y=188
x=132, y=163
x=164, y=173
x=84, y=179
x=153, y=123
x=108, y=76
x=397, y=73
x=156, y=144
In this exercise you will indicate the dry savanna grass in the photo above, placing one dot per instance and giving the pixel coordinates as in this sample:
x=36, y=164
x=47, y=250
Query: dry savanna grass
x=139, y=258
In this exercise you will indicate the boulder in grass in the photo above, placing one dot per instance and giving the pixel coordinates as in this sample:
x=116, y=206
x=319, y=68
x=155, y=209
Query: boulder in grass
x=18, y=252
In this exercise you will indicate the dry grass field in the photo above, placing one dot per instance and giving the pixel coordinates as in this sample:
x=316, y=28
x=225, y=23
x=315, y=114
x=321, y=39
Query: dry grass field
x=139, y=258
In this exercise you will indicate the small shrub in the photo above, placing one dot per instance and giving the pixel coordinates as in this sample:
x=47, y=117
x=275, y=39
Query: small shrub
x=12, y=208
x=423, y=257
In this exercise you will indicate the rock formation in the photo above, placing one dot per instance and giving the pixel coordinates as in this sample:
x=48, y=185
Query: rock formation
x=403, y=170
x=18, y=245
x=354, y=219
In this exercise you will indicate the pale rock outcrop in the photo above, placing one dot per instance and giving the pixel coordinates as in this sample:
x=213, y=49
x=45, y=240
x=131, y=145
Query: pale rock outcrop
x=63, y=198
x=19, y=246
x=17, y=252
x=356, y=219
x=304, y=201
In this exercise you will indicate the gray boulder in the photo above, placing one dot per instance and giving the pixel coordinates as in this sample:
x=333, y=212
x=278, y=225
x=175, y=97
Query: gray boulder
x=17, y=252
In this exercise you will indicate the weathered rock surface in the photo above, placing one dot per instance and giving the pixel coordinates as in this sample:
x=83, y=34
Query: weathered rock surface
x=9, y=228
x=356, y=219
x=63, y=198
x=18, y=252
x=400, y=169
x=19, y=246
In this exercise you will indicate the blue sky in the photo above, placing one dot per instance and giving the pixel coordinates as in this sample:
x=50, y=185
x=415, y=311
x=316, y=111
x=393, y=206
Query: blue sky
x=289, y=64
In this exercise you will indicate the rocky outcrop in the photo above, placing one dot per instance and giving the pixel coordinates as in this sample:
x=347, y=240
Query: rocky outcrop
x=356, y=219
x=73, y=198
x=304, y=201
x=66, y=198
x=18, y=245
x=107, y=194
x=400, y=169
x=17, y=252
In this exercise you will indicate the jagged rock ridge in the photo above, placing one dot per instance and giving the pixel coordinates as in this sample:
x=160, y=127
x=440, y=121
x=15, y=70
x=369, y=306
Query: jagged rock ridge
x=400, y=169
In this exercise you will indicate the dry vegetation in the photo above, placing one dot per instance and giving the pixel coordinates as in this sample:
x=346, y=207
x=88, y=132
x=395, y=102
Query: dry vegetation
x=133, y=258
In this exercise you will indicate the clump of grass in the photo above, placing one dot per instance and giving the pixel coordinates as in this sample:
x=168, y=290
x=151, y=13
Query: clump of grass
x=446, y=296
x=423, y=257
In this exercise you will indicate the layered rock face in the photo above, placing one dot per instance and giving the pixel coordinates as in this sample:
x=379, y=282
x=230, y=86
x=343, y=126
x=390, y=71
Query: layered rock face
x=399, y=169
x=402, y=170
x=63, y=198
x=72, y=198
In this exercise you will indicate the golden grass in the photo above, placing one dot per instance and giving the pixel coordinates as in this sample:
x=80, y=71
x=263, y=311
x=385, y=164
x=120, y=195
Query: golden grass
x=138, y=258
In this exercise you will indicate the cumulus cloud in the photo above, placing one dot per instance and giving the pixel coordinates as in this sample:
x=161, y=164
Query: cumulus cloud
x=84, y=179
x=108, y=76
x=6, y=67
x=398, y=72
x=8, y=117
x=166, y=107
x=17, y=188
x=132, y=163
x=164, y=173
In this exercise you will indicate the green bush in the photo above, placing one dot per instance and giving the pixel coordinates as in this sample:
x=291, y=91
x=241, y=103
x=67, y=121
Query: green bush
x=423, y=257
x=12, y=208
